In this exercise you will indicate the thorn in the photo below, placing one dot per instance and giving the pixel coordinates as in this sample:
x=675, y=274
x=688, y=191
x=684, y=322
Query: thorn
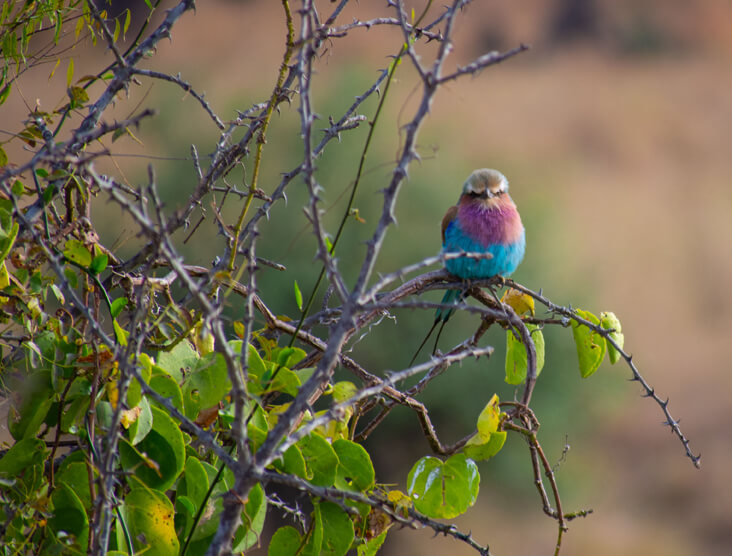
x=664, y=404
x=648, y=393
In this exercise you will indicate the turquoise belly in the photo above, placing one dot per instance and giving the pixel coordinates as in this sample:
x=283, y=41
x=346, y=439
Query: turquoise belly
x=505, y=260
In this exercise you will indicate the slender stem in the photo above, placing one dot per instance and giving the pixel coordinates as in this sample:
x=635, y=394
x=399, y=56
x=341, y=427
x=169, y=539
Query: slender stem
x=261, y=138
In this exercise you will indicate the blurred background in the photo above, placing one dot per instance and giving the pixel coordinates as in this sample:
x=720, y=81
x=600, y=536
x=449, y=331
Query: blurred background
x=614, y=132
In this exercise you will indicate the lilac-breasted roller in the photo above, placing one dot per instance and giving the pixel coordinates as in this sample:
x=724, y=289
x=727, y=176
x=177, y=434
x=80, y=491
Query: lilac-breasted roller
x=485, y=220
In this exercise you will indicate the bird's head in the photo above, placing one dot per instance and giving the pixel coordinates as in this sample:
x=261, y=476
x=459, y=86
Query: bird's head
x=485, y=186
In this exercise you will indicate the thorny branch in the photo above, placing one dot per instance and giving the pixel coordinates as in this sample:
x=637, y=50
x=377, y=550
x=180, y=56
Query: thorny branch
x=648, y=390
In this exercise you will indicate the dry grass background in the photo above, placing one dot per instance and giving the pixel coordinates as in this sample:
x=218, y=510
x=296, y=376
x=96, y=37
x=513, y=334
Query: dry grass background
x=622, y=152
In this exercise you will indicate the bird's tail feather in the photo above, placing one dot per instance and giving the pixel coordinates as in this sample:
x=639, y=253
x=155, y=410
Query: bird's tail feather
x=452, y=297
x=427, y=337
x=442, y=315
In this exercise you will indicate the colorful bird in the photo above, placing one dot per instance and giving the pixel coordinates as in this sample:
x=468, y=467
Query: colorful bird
x=485, y=220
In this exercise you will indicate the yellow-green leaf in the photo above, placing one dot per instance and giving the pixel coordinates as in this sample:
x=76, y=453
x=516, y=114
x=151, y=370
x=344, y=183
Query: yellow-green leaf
x=77, y=252
x=591, y=346
x=489, y=418
x=119, y=333
x=79, y=26
x=149, y=515
x=70, y=72
x=298, y=296
x=609, y=320
x=128, y=20
x=4, y=276
x=516, y=358
x=343, y=391
x=478, y=450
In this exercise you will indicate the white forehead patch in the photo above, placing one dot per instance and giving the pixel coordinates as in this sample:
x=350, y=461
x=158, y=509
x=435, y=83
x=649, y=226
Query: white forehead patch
x=486, y=178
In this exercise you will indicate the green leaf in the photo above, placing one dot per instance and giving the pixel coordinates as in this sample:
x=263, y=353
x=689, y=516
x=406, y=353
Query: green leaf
x=343, y=390
x=609, y=320
x=178, y=361
x=5, y=92
x=255, y=510
x=77, y=252
x=3, y=157
x=74, y=414
x=285, y=542
x=35, y=396
x=71, y=276
x=214, y=506
x=298, y=293
x=23, y=455
x=516, y=360
x=256, y=363
x=355, y=469
x=443, y=490
x=338, y=531
x=140, y=428
x=372, y=546
x=166, y=386
x=149, y=516
x=120, y=334
x=69, y=515
x=538, y=336
x=590, y=345
x=6, y=243
x=117, y=306
x=196, y=481
x=134, y=391
x=315, y=535
x=48, y=193
x=295, y=356
x=99, y=263
x=104, y=412
x=158, y=459
x=284, y=381
x=247, y=535
x=206, y=385
x=75, y=474
x=58, y=294
x=478, y=449
x=320, y=459
x=184, y=509
x=283, y=355
x=18, y=188
x=292, y=462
